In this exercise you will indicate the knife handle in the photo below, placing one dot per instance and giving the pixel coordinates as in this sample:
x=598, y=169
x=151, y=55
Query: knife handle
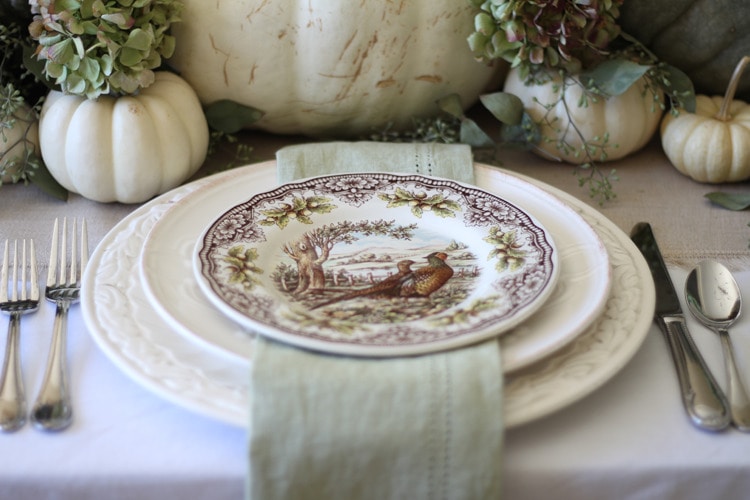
x=704, y=400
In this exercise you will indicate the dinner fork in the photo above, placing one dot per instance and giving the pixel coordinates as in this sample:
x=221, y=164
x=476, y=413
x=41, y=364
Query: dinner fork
x=12, y=398
x=52, y=409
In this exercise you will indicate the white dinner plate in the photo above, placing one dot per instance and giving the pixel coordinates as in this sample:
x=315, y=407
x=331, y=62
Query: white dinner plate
x=123, y=322
x=578, y=298
x=377, y=264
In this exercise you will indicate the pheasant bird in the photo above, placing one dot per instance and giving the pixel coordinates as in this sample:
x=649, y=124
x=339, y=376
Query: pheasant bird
x=428, y=279
x=389, y=286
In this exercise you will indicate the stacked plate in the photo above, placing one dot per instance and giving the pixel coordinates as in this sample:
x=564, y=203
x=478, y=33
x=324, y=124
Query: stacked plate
x=167, y=300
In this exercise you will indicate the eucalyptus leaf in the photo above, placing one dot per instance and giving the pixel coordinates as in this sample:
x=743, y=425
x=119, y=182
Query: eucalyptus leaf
x=44, y=180
x=731, y=201
x=614, y=76
x=230, y=117
x=525, y=133
x=451, y=104
x=679, y=87
x=473, y=135
x=507, y=108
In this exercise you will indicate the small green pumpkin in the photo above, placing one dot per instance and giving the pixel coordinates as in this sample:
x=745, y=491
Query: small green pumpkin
x=703, y=38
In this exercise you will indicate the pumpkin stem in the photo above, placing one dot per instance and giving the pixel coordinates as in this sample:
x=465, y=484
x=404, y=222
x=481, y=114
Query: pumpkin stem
x=723, y=113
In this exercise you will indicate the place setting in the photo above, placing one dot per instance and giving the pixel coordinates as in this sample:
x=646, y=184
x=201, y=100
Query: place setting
x=370, y=296
x=166, y=294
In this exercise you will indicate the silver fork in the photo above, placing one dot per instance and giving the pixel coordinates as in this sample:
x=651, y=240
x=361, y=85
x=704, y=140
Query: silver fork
x=52, y=409
x=12, y=398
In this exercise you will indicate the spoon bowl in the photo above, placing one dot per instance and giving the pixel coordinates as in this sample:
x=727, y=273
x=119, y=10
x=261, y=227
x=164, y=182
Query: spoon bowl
x=713, y=297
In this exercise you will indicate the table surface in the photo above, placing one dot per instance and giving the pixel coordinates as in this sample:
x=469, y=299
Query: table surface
x=629, y=439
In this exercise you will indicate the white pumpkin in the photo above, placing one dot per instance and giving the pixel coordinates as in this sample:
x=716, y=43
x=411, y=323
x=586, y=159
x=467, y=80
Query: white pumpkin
x=628, y=120
x=330, y=67
x=128, y=148
x=17, y=141
x=712, y=144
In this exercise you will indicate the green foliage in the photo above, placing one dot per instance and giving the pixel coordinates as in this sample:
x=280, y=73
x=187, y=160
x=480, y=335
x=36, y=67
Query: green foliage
x=225, y=119
x=730, y=201
x=579, y=38
x=21, y=94
x=442, y=129
x=95, y=47
x=230, y=117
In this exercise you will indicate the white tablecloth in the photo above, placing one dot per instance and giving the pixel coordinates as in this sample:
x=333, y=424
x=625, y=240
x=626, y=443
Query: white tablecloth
x=631, y=439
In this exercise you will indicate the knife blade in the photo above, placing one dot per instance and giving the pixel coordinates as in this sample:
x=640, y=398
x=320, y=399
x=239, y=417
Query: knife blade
x=702, y=397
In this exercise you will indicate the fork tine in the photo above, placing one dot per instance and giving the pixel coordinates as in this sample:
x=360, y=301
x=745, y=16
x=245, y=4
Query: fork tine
x=32, y=265
x=84, y=246
x=4, y=276
x=23, y=270
x=52, y=270
x=63, y=251
x=72, y=276
x=14, y=289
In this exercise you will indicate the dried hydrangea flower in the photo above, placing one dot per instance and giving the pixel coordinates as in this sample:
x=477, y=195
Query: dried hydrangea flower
x=550, y=34
x=95, y=47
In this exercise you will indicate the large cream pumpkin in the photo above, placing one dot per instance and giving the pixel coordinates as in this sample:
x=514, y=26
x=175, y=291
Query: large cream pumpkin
x=618, y=125
x=128, y=148
x=330, y=67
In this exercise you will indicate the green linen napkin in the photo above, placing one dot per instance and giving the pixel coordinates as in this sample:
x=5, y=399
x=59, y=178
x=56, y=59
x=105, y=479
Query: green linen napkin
x=336, y=427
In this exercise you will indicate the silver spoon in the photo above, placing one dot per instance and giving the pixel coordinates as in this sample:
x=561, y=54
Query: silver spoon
x=714, y=299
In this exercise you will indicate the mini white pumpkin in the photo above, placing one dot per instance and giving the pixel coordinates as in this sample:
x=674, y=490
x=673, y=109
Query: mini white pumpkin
x=713, y=144
x=126, y=149
x=619, y=125
x=330, y=67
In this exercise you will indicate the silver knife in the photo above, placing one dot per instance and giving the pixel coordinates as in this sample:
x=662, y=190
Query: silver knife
x=704, y=400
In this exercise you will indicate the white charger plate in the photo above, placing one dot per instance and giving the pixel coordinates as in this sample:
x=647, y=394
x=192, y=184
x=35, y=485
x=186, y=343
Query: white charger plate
x=578, y=298
x=123, y=322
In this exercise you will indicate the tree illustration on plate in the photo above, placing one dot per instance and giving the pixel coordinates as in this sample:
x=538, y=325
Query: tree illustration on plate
x=313, y=248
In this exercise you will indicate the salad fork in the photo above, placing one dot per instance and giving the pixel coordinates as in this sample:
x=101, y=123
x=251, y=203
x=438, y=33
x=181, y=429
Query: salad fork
x=52, y=409
x=21, y=301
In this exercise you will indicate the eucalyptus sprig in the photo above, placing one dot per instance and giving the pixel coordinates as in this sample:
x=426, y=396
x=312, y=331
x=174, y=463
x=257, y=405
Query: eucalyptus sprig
x=21, y=96
x=226, y=119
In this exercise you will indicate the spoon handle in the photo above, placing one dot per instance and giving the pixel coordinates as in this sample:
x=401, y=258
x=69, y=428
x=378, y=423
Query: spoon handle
x=703, y=399
x=738, y=398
